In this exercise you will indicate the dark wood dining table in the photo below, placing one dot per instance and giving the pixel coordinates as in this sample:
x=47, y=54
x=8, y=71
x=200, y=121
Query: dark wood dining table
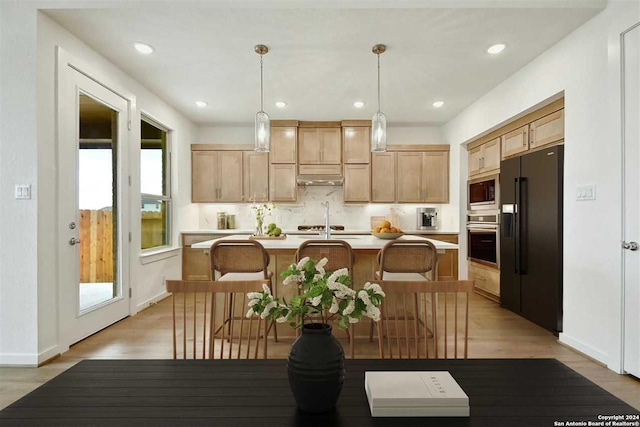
x=504, y=392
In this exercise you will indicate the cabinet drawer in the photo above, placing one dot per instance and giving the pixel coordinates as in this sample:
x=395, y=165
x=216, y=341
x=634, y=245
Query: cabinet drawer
x=320, y=169
x=190, y=239
x=487, y=279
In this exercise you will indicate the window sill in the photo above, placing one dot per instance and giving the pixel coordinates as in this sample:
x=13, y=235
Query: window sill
x=154, y=255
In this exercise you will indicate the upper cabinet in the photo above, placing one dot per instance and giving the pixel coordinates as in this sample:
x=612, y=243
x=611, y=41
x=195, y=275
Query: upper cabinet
x=423, y=177
x=356, y=183
x=283, y=144
x=255, y=175
x=485, y=157
x=515, y=142
x=282, y=182
x=356, y=142
x=216, y=176
x=547, y=130
x=383, y=177
x=320, y=146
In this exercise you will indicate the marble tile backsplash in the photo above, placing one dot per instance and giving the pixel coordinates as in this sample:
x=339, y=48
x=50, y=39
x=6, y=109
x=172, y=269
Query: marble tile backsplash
x=309, y=210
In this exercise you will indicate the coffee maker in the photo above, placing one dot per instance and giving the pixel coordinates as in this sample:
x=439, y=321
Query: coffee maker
x=426, y=218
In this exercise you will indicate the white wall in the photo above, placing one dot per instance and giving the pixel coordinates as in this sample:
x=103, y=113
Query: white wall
x=28, y=277
x=307, y=209
x=586, y=66
x=18, y=165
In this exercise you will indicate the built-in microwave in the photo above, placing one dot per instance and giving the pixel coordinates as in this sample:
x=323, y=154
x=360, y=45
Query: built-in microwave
x=484, y=193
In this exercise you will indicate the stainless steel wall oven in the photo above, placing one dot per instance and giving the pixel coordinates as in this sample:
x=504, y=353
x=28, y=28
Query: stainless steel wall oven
x=483, y=242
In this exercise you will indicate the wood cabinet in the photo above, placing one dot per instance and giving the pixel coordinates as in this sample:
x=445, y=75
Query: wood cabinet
x=356, y=183
x=195, y=263
x=547, y=130
x=356, y=144
x=423, y=177
x=216, y=176
x=319, y=146
x=515, y=142
x=448, y=261
x=256, y=175
x=487, y=280
x=283, y=144
x=282, y=182
x=485, y=157
x=383, y=177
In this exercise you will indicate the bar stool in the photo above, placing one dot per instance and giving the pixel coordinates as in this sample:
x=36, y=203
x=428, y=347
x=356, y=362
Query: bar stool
x=240, y=261
x=339, y=254
x=407, y=261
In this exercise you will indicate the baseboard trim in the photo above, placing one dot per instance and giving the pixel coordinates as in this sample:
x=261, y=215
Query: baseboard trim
x=151, y=301
x=487, y=295
x=48, y=354
x=583, y=348
x=26, y=359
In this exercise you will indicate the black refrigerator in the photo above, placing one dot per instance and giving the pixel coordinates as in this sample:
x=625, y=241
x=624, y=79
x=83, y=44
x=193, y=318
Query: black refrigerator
x=531, y=189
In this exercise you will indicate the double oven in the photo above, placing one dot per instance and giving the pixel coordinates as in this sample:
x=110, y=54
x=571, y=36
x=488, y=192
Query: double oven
x=483, y=220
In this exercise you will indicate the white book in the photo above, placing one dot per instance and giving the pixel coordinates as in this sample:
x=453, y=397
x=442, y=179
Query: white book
x=415, y=394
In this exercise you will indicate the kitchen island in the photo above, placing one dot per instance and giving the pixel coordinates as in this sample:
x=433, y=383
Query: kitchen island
x=366, y=248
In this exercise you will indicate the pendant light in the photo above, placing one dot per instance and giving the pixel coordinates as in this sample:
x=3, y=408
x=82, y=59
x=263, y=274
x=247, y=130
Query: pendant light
x=263, y=122
x=379, y=120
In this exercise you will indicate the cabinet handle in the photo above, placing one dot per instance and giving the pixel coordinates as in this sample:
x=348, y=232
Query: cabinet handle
x=374, y=194
x=524, y=142
x=532, y=137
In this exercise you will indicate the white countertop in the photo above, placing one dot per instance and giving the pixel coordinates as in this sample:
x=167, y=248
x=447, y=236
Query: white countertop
x=345, y=232
x=356, y=242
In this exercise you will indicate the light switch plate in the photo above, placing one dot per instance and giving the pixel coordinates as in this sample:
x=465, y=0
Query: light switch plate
x=586, y=192
x=23, y=191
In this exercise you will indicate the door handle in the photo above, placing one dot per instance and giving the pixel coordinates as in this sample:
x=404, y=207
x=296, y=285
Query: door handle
x=632, y=246
x=73, y=241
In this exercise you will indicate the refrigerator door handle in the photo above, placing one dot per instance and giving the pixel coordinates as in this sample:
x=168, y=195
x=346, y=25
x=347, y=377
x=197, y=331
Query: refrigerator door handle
x=516, y=225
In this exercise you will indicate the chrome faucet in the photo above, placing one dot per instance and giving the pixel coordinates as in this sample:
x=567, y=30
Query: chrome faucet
x=327, y=227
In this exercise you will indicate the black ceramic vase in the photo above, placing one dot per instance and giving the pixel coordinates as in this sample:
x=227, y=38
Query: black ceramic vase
x=316, y=368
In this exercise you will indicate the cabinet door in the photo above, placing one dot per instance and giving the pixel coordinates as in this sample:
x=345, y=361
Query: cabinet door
x=229, y=176
x=448, y=265
x=309, y=146
x=409, y=177
x=256, y=176
x=475, y=160
x=356, y=183
x=331, y=146
x=356, y=144
x=547, y=130
x=282, y=183
x=383, y=177
x=203, y=176
x=515, y=142
x=491, y=155
x=435, y=175
x=195, y=264
x=283, y=145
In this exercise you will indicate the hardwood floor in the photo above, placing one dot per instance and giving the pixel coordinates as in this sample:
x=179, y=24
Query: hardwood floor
x=494, y=333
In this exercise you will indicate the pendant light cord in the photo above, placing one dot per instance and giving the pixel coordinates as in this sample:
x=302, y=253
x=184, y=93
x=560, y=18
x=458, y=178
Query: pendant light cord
x=378, y=82
x=262, y=93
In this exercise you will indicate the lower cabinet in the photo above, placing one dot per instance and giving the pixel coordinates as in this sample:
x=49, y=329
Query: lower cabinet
x=195, y=263
x=487, y=280
x=448, y=261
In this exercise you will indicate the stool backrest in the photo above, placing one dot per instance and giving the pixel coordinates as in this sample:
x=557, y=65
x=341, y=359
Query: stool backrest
x=408, y=256
x=238, y=256
x=338, y=253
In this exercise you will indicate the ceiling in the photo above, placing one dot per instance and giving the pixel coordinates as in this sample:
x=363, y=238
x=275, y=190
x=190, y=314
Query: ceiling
x=320, y=59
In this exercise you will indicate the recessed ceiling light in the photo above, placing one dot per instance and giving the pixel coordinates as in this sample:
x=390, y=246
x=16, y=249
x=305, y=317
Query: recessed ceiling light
x=143, y=48
x=438, y=104
x=201, y=104
x=281, y=104
x=496, y=48
x=358, y=104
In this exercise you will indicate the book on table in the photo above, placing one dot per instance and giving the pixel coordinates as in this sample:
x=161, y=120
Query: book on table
x=415, y=394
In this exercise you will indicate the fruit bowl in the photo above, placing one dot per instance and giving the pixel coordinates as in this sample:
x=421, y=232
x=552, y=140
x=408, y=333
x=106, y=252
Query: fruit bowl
x=387, y=236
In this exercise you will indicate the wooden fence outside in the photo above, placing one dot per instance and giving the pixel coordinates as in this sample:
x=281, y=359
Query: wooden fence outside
x=96, y=249
x=96, y=246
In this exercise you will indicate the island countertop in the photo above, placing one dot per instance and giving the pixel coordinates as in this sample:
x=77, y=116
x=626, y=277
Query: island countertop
x=357, y=242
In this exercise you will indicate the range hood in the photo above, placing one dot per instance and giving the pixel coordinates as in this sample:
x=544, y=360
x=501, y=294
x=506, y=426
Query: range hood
x=317, y=180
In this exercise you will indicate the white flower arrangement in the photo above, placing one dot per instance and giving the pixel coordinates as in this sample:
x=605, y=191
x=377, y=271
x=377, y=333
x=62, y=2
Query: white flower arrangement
x=321, y=291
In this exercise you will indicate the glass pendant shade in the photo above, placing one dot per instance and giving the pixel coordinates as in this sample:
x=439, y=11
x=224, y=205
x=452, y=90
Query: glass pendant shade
x=379, y=132
x=263, y=132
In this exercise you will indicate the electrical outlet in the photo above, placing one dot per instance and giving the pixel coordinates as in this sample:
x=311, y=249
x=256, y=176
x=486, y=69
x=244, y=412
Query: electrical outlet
x=278, y=219
x=163, y=281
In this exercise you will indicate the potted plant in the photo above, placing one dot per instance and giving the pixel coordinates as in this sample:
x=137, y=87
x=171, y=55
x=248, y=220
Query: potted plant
x=316, y=361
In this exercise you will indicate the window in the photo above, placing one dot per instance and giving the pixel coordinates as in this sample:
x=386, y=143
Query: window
x=155, y=185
